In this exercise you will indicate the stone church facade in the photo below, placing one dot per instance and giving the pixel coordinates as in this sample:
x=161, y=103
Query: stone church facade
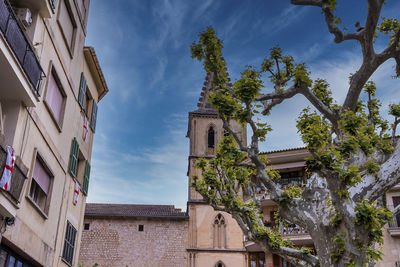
x=203, y=237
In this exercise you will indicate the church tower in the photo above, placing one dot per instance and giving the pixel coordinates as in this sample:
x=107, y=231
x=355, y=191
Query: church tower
x=214, y=238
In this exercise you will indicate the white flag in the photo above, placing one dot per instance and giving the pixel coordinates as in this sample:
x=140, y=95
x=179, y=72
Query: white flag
x=76, y=193
x=5, y=181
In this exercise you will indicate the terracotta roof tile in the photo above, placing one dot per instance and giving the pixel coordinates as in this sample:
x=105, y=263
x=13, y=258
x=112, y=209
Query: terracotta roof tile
x=133, y=210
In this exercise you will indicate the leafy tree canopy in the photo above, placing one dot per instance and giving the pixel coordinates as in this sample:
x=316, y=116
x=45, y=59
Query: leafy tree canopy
x=355, y=156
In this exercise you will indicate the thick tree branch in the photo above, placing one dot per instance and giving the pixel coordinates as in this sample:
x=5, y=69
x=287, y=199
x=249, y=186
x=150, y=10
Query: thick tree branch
x=292, y=91
x=330, y=20
x=387, y=177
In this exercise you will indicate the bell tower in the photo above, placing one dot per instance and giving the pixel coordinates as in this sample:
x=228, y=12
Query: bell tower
x=214, y=237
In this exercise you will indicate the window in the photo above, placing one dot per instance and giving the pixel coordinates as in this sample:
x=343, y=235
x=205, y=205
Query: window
x=220, y=264
x=86, y=177
x=40, y=185
x=82, y=8
x=257, y=259
x=9, y=258
x=219, y=231
x=141, y=228
x=67, y=24
x=55, y=98
x=294, y=178
x=87, y=102
x=86, y=226
x=396, y=219
x=73, y=158
x=69, y=243
x=211, y=137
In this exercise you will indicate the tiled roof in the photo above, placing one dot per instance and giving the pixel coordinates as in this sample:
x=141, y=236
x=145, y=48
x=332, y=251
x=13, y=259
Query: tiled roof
x=133, y=210
x=283, y=150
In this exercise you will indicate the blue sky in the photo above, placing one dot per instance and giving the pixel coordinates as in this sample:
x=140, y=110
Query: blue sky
x=140, y=150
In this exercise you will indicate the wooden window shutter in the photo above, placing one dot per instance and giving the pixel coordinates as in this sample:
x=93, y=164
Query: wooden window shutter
x=86, y=177
x=94, y=116
x=73, y=158
x=82, y=90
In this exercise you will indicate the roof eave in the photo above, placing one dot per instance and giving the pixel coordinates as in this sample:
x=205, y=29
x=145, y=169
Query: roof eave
x=96, y=71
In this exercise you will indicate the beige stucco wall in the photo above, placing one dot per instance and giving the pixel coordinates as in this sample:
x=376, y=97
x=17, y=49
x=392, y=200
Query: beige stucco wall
x=210, y=259
x=201, y=251
x=117, y=242
x=32, y=130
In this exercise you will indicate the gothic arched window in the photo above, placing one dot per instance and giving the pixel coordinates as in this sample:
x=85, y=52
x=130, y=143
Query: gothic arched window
x=220, y=264
x=219, y=226
x=211, y=137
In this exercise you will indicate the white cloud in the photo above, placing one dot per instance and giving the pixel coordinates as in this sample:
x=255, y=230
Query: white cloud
x=288, y=16
x=155, y=175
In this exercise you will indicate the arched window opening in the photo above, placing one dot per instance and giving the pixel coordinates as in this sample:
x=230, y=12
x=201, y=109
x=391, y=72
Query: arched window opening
x=211, y=138
x=219, y=226
x=220, y=264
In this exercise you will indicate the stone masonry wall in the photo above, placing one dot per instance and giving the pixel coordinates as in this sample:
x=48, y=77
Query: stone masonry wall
x=118, y=242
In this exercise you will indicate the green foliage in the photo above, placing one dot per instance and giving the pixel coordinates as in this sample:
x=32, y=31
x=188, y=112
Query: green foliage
x=372, y=218
x=389, y=26
x=394, y=110
x=350, y=176
x=248, y=86
x=302, y=75
x=83, y=265
x=337, y=219
x=371, y=167
x=273, y=238
x=358, y=134
x=315, y=132
x=321, y=91
x=338, y=248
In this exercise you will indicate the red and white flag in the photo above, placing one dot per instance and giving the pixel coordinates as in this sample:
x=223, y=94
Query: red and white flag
x=5, y=181
x=85, y=128
x=76, y=193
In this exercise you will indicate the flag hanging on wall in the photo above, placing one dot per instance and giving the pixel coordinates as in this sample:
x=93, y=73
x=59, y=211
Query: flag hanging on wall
x=5, y=181
x=76, y=193
x=85, y=128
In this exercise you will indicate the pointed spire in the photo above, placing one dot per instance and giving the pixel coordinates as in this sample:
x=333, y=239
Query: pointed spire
x=203, y=103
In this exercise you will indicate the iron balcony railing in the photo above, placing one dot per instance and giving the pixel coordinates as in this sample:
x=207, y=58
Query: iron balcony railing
x=292, y=181
x=20, y=45
x=291, y=229
x=395, y=222
x=17, y=178
x=294, y=229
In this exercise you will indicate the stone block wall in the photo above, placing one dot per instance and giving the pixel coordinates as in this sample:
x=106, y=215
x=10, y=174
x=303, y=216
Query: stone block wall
x=118, y=242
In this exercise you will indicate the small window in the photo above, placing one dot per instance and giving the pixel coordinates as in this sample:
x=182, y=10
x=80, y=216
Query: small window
x=219, y=231
x=40, y=185
x=67, y=24
x=86, y=226
x=55, y=98
x=73, y=158
x=141, y=228
x=69, y=243
x=211, y=138
x=8, y=257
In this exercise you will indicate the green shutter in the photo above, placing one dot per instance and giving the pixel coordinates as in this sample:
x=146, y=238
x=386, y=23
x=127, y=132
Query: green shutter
x=94, y=116
x=73, y=158
x=82, y=90
x=86, y=176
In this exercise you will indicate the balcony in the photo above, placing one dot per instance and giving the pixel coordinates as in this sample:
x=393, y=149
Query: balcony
x=21, y=73
x=44, y=7
x=394, y=226
x=9, y=199
x=293, y=229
